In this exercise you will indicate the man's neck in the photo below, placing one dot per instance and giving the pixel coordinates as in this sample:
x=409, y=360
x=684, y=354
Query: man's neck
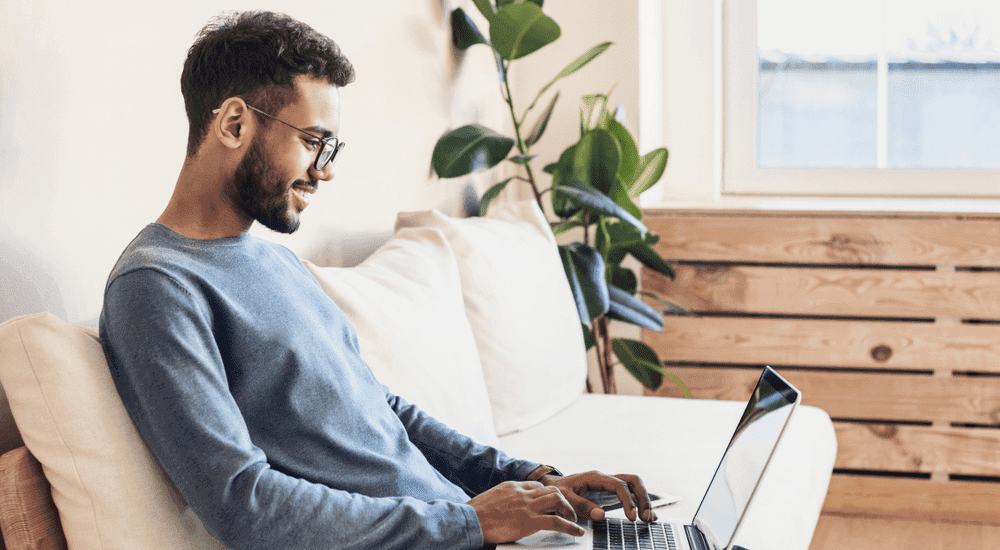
x=200, y=207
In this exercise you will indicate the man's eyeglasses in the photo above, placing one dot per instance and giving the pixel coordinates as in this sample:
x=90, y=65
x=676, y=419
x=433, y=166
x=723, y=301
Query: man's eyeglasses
x=329, y=147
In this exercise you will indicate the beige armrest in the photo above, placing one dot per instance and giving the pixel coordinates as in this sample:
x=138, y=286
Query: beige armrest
x=28, y=517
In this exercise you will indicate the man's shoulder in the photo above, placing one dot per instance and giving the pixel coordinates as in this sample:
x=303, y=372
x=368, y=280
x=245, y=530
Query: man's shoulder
x=158, y=249
x=150, y=249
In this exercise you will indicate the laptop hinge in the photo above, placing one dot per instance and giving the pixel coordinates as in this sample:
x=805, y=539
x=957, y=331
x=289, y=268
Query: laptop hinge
x=696, y=540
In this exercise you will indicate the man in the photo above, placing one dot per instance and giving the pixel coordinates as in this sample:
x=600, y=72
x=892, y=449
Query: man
x=245, y=380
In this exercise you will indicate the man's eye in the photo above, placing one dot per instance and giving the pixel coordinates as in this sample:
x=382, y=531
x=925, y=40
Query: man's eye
x=313, y=143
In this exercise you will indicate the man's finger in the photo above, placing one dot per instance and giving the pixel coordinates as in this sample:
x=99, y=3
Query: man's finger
x=585, y=508
x=556, y=523
x=554, y=502
x=625, y=496
x=638, y=488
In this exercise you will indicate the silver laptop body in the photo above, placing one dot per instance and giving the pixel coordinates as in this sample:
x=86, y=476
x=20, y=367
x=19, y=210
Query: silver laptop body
x=724, y=505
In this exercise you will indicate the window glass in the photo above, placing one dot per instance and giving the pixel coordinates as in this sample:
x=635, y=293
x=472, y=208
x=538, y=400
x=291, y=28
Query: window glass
x=878, y=84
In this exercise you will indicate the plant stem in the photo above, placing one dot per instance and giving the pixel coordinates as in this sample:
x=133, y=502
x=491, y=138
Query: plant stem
x=521, y=146
x=608, y=363
x=602, y=344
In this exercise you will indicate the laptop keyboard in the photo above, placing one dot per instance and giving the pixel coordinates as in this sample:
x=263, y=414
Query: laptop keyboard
x=619, y=534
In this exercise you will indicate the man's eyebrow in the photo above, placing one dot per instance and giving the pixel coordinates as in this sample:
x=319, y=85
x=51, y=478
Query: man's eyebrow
x=320, y=130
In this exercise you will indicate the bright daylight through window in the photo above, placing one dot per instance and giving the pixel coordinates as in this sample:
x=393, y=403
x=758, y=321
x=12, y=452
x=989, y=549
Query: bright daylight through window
x=863, y=97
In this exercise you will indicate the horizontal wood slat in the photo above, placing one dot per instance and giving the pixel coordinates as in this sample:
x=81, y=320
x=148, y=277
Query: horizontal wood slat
x=859, y=395
x=828, y=343
x=831, y=291
x=925, y=449
x=961, y=501
x=827, y=238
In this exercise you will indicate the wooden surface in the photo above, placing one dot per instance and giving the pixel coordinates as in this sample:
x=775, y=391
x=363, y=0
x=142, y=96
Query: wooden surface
x=924, y=449
x=889, y=322
x=837, y=532
x=827, y=237
x=860, y=344
x=961, y=501
x=832, y=291
x=858, y=395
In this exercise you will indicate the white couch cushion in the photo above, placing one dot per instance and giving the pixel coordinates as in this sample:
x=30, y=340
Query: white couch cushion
x=405, y=302
x=521, y=310
x=110, y=491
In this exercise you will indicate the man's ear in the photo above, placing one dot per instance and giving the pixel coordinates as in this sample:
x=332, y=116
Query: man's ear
x=234, y=123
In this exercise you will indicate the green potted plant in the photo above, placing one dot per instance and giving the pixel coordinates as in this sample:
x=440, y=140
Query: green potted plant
x=593, y=186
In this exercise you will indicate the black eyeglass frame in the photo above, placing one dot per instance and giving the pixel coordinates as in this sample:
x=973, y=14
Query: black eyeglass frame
x=330, y=145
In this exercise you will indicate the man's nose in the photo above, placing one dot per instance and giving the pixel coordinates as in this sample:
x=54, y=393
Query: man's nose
x=326, y=174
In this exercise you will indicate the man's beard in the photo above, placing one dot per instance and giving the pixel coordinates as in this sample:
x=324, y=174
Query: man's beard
x=261, y=193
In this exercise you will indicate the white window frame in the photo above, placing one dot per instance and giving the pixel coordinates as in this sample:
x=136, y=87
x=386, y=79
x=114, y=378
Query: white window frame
x=742, y=177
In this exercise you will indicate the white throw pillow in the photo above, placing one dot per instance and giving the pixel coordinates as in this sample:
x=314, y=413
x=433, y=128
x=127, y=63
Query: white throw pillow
x=110, y=490
x=405, y=302
x=521, y=310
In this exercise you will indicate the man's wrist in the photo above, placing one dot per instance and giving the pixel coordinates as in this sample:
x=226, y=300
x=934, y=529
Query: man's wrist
x=542, y=471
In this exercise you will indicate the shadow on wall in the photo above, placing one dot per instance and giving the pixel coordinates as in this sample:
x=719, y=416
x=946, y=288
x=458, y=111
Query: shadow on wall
x=26, y=284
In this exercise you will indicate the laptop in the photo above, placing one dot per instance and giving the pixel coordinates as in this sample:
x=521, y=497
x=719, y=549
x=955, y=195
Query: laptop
x=724, y=505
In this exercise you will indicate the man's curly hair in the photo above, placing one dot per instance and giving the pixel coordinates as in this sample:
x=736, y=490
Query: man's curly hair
x=255, y=55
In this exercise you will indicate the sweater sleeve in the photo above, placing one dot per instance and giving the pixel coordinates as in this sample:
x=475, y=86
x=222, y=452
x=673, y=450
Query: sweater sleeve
x=158, y=338
x=473, y=467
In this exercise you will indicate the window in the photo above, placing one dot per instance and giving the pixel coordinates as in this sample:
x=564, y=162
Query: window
x=861, y=98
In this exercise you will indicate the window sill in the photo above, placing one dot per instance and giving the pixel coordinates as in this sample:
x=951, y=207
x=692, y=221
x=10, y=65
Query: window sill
x=835, y=204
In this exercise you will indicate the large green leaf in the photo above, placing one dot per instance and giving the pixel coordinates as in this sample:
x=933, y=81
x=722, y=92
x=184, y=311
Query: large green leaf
x=562, y=204
x=620, y=195
x=541, y=123
x=629, y=152
x=576, y=65
x=623, y=238
x=486, y=8
x=649, y=171
x=585, y=272
x=595, y=160
x=468, y=149
x=595, y=201
x=640, y=360
x=490, y=194
x=644, y=364
x=623, y=278
x=628, y=308
x=464, y=32
x=651, y=259
x=502, y=3
x=521, y=28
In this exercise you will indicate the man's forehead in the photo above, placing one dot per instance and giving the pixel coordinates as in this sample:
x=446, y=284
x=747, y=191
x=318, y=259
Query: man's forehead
x=316, y=105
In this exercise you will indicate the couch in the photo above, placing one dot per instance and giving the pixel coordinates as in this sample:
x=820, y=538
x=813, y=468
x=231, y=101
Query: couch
x=471, y=319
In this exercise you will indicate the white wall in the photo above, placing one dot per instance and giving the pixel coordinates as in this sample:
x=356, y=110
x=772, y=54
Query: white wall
x=92, y=129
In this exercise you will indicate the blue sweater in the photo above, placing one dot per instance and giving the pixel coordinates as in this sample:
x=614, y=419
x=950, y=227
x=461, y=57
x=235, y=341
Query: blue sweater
x=246, y=382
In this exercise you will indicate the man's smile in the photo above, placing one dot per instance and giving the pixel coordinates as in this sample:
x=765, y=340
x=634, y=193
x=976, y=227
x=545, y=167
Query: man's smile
x=302, y=192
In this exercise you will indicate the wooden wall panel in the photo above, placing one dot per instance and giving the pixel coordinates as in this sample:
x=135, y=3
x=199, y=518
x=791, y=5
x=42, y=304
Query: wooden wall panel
x=828, y=343
x=960, y=501
x=827, y=238
x=925, y=449
x=859, y=395
x=832, y=292
x=889, y=322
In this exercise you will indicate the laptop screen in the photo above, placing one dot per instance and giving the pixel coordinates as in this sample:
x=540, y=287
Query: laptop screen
x=743, y=464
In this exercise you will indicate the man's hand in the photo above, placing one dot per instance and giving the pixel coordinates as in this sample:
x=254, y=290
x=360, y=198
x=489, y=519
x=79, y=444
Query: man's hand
x=629, y=488
x=514, y=510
